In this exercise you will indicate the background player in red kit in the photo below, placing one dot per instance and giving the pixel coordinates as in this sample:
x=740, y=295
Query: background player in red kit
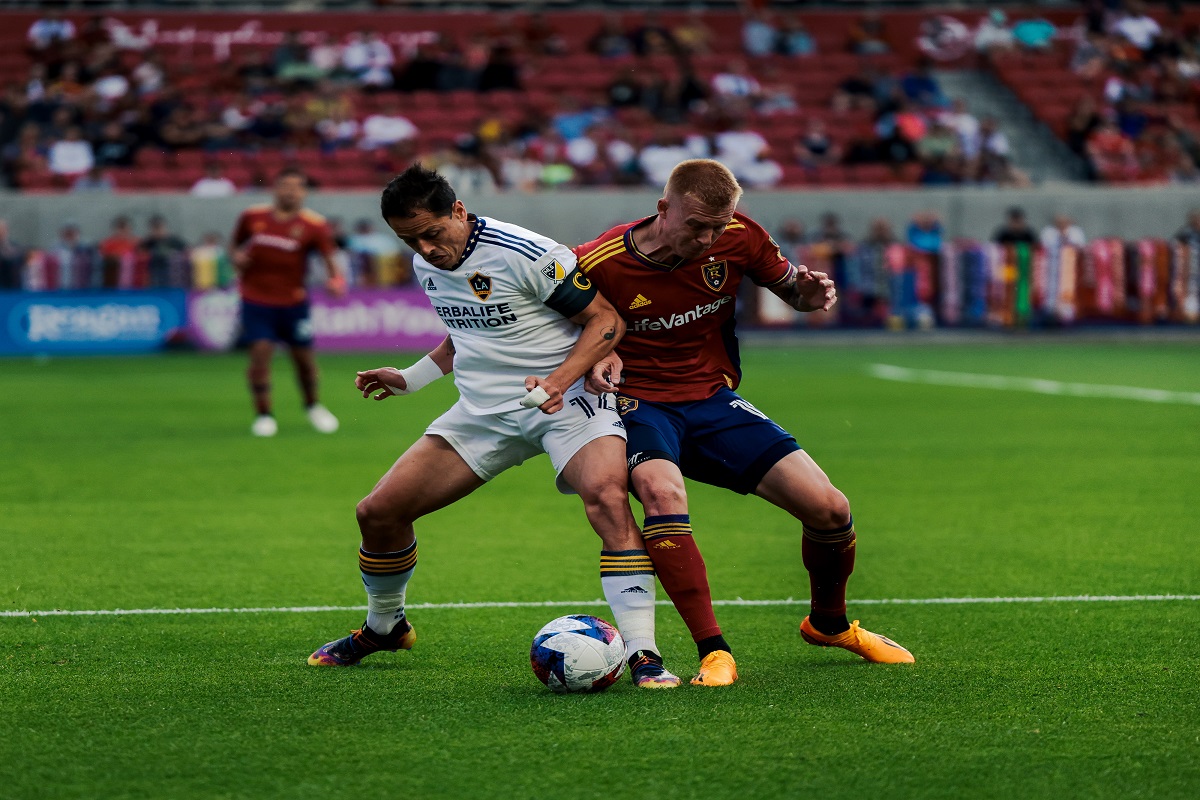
x=674, y=278
x=271, y=245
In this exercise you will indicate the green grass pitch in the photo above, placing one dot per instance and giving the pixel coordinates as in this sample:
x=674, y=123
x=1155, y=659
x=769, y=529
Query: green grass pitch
x=134, y=483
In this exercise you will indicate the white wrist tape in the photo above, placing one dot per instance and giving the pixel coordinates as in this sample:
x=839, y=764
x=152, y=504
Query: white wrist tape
x=418, y=376
x=536, y=397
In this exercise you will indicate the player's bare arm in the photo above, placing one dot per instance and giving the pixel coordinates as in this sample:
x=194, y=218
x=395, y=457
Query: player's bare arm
x=387, y=382
x=807, y=291
x=605, y=375
x=602, y=329
x=335, y=284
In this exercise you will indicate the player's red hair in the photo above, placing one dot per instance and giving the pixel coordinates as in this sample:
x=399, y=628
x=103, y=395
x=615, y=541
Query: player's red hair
x=708, y=181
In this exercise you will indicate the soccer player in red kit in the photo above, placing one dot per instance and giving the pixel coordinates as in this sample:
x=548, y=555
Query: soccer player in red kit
x=271, y=245
x=674, y=278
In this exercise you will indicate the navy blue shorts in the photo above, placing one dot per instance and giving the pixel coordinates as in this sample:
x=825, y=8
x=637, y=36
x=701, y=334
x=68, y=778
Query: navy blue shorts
x=291, y=325
x=722, y=441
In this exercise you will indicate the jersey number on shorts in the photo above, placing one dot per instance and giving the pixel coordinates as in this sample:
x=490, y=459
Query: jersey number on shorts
x=586, y=407
x=744, y=406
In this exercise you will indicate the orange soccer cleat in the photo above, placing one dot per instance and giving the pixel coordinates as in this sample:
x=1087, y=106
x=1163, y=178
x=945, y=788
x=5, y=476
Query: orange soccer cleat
x=870, y=646
x=716, y=669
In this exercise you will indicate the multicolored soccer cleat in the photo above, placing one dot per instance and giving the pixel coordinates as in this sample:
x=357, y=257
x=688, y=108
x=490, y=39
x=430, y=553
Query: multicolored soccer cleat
x=646, y=669
x=871, y=646
x=348, y=651
x=716, y=669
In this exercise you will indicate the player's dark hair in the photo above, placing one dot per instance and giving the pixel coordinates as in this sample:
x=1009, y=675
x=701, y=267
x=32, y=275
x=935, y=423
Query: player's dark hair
x=291, y=172
x=414, y=190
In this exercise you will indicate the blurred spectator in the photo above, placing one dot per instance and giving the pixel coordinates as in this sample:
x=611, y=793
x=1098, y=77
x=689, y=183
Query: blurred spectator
x=375, y=257
x=1061, y=231
x=1111, y=153
x=24, y=156
x=940, y=154
x=78, y=262
x=922, y=88
x=832, y=236
x=12, y=259
x=356, y=56
x=1015, y=229
x=118, y=254
x=387, y=127
x=1189, y=233
x=736, y=82
x=380, y=61
x=1090, y=57
x=738, y=146
x=993, y=34
x=761, y=173
x=1036, y=34
x=925, y=232
x=1137, y=27
x=421, y=72
x=114, y=147
x=501, y=73
x=214, y=183
x=965, y=126
x=165, y=254
x=666, y=149
x=652, y=38
x=572, y=119
x=48, y=34
x=610, y=41
x=325, y=56
x=71, y=155
x=759, y=33
x=693, y=36
x=816, y=147
x=96, y=179
x=867, y=35
x=211, y=265
x=856, y=92
x=337, y=130
x=792, y=238
x=464, y=168
x=794, y=39
x=1084, y=119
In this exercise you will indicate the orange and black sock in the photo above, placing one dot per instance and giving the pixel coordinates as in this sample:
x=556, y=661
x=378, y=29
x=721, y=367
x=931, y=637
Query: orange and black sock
x=385, y=576
x=829, y=559
x=681, y=571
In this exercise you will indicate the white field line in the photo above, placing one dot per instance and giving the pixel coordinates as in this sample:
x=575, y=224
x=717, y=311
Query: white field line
x=923, y=601
x=972, y=380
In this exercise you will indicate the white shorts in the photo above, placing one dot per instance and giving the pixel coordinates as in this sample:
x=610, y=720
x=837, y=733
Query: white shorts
x=491, y=443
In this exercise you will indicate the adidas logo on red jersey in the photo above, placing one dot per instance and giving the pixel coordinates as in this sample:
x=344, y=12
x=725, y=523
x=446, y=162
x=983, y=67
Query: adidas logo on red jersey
x=638, y=302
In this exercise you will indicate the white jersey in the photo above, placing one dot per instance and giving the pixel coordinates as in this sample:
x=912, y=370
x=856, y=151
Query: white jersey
x=506, y=306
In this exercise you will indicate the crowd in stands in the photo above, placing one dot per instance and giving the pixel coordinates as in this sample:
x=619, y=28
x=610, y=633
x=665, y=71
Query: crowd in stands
x=912, y=278
x=1122, y=91
x=95, y=103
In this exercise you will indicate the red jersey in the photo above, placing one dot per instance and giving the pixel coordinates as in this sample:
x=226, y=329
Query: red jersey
x=279, y=249
x=679, y=340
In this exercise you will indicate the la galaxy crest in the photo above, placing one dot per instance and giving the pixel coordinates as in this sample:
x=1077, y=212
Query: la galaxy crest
x=715, y=273
x=481, y=286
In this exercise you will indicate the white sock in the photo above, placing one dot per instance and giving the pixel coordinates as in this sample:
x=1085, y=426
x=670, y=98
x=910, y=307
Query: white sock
x=385, y=577
x=627, y=577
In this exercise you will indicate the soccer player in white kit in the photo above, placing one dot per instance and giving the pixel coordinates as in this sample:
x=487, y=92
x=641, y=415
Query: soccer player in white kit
x=524, y=327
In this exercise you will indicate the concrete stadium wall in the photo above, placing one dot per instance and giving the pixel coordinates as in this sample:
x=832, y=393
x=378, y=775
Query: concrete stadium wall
x=578, y=215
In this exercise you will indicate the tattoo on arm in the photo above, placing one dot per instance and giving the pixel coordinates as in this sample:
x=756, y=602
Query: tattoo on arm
x=609, y=334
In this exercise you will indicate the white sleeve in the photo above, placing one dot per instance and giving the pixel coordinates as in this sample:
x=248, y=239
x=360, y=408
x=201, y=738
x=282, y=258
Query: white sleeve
x=544, y=276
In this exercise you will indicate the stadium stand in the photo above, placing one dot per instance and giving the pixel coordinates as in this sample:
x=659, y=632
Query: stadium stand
x=505, y=91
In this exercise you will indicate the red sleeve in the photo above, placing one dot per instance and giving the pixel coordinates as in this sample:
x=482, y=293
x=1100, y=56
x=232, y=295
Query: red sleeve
x=765, y=263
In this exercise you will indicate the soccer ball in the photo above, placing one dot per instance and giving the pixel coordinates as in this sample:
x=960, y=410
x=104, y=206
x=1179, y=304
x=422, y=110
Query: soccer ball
x=578, y=653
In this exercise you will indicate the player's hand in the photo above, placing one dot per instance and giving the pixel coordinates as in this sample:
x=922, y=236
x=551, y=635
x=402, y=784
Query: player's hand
x=605, y=376
x=380, y=380
x=555, y=403
x=815, y=290
x=240, y=258
x=336, y=286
